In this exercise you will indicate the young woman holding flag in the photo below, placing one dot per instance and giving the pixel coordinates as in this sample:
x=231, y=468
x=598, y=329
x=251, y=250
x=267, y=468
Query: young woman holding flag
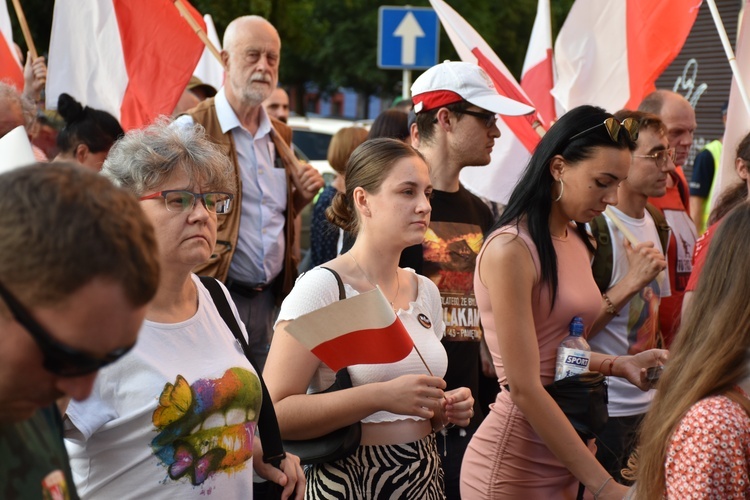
x=386, y=205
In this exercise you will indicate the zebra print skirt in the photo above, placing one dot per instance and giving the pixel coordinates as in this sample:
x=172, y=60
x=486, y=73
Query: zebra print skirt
x=403, y=471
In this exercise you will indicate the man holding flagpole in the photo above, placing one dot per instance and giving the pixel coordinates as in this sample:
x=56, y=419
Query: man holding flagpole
x=627, y=266
x=456, y=106
x=254, y=251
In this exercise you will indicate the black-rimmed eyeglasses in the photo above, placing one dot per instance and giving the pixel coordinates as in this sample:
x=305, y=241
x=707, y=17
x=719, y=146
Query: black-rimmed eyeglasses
x=59, y=358
x=184, y=201
x=613, y=127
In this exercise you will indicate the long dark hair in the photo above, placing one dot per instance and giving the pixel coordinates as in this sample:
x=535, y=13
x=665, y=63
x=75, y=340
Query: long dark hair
x=531, y=200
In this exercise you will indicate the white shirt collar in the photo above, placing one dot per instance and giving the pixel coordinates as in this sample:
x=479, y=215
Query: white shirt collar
x=228, y=119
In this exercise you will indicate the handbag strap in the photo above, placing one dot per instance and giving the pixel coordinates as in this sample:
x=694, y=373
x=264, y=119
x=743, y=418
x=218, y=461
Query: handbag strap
x=342, y=292
x=268, y=426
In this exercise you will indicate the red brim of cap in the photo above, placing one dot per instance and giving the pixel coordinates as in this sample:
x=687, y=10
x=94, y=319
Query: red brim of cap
x=434, y=99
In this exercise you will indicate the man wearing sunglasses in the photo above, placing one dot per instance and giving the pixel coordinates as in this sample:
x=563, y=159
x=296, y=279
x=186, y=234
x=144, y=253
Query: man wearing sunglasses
x=631, y=237
x=679, y=118
x=77, y=268
x=456, y=108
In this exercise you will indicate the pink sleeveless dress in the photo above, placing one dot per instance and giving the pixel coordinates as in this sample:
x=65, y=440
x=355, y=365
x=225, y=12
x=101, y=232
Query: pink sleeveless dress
x=506, y=459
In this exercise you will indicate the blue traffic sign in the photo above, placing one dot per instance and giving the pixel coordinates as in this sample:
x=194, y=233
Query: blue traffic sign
x=408, y=37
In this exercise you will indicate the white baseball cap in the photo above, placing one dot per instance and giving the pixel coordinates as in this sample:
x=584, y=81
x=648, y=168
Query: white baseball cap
x=454, y=81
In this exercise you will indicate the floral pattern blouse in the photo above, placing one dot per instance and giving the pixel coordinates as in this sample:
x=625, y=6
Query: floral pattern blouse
x=709, y=453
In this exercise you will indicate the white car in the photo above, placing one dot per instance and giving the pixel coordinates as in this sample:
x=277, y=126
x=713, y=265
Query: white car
x=311, y=138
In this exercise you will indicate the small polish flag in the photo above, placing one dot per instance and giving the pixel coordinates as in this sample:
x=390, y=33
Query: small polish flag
x=359, y=330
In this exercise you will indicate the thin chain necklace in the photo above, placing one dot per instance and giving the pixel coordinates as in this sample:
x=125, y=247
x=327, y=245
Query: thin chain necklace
x=398, y=281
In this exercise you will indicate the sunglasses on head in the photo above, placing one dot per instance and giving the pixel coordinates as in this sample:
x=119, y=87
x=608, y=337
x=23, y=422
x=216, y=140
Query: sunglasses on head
x=613, y=127
x=59, y=358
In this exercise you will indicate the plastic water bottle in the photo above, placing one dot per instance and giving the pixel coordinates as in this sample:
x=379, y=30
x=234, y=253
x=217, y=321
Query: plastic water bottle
x=574, y=353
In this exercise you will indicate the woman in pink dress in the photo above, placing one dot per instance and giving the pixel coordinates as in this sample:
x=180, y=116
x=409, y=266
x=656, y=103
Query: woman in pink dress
x=533, y=276
x=695, y=439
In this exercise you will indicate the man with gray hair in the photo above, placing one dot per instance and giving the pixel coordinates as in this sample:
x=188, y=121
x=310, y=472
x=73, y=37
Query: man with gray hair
x=255, y=248
x=77, y=268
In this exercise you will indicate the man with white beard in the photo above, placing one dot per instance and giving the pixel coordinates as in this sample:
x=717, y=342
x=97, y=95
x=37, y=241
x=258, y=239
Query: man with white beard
x=254, y=252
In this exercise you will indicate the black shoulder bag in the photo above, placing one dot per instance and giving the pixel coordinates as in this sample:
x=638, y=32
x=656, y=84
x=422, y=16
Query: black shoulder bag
x=337, y=444
x=268, y=426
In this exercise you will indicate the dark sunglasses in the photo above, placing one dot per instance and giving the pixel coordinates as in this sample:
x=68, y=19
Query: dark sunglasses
x=59, y=358
x=613, y=127
x=490, y=119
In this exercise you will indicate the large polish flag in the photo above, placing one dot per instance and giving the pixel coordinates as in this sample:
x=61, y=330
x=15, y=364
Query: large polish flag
x=738, y=116
x=519, y=137
x=132, y=58
x=610, y=52
x=537, y=76
x=359, y=330
x=10, y=68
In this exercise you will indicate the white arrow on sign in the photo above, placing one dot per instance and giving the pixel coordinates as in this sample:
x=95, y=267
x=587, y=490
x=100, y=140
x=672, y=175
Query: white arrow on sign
x=409, y=30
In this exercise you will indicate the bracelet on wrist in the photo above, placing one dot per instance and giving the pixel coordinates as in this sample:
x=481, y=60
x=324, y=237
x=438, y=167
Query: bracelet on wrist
x=601, y=488
x=612, y=366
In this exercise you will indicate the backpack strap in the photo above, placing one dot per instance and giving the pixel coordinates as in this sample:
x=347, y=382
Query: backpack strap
x=268, y=426
x=603, y=258
x=662, y=226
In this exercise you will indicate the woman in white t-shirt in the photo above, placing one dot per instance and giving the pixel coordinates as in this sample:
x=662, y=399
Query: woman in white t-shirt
x=176, y=417
x=386, y=205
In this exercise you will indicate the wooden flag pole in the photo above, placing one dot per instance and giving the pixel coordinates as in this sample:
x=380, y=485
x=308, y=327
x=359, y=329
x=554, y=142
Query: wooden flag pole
x=25, y=29
x=197, y=29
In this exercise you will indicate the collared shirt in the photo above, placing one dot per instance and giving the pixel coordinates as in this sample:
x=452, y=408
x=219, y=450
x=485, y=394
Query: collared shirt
x=259, y=256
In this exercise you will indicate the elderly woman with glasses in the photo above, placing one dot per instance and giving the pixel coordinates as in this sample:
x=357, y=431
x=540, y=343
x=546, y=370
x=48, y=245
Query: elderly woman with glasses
x=177, y=416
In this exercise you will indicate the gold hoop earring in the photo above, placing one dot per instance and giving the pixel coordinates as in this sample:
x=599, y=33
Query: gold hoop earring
x=562, y=188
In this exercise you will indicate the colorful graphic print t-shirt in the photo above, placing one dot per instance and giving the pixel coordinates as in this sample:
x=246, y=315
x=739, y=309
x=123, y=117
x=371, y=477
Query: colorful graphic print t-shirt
x=175, y=418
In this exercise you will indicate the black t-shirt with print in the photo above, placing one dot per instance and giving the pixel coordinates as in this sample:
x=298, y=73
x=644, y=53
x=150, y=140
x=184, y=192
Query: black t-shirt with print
x=447, y=256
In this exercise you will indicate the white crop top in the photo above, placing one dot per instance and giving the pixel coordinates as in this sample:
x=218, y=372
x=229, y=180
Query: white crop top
x=318, y=288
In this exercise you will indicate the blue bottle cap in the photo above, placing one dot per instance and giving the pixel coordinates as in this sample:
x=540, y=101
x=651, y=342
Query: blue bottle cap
x=576, y=326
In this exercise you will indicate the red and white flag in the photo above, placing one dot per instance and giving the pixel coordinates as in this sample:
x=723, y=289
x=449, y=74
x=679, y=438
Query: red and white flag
x=359, y=330
x=132, y=58
x=610, y=52
x=10, y=67
x=519, y=136
x=537, y=76
x=738, y=116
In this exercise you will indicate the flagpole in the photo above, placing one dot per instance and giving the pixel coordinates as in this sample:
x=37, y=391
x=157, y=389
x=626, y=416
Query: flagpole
x=197, y=29
x=730, y=53
x=628, y=234
x=25, y=29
